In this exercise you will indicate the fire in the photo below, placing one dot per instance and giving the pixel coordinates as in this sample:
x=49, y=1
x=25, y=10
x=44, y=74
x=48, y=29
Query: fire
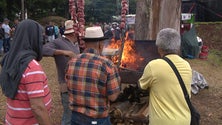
x=130, y=59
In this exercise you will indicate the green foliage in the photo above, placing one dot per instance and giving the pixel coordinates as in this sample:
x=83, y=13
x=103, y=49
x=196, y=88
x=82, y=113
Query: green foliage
x=95, y=10
x=132, y=6
x=42, y=8
x=2, y=8
x=103, y=10
x=8, y=8
x=100, y=11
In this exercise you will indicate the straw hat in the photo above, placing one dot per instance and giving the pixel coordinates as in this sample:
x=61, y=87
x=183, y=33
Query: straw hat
x=69, y=27
x=94, y=34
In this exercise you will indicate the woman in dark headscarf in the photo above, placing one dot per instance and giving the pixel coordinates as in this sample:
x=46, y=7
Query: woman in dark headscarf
x=26, y=46
x=22, y=79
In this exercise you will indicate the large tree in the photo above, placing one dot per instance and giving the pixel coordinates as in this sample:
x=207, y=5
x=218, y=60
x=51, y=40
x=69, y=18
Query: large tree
x=154, y=15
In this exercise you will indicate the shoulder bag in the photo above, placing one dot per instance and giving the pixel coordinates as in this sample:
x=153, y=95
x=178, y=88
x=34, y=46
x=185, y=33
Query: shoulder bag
x=195, y=116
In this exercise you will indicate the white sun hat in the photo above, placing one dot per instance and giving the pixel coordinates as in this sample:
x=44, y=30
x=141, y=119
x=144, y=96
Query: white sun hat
x=69, y=27
x=94, y=34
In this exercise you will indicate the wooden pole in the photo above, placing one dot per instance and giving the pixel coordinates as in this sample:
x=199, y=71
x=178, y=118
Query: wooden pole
x=23, y=9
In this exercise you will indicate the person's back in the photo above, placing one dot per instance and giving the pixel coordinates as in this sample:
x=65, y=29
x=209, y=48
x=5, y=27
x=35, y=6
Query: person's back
x=49, y=30
x=167, y=105
x=61, y=60
x=167, y=101
x=26, y=88
x=93, y=81
x=56, y=28
x=98, y=74
x=29, y=87
x=117, y=33
x=107, y=32
x=62, y=49
x=62, y=28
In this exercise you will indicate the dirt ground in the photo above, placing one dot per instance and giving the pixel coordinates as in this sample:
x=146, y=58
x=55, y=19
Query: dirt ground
x=210, y=33
x=208, y=101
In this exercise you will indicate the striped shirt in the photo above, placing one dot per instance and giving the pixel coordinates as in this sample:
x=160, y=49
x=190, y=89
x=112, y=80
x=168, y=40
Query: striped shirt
x=91, y=79
x=32, y=84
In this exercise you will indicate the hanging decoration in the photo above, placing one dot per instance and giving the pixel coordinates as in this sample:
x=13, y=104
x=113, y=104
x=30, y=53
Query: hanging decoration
x=124, y=11
x=80, y=17
x=76, y=10
x=122, y=26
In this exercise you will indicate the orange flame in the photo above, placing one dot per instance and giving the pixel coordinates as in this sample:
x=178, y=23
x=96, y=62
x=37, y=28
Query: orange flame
x=130, y=58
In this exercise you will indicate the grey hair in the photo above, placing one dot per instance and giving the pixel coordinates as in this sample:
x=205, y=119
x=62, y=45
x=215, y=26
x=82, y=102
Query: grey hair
x=169, y=40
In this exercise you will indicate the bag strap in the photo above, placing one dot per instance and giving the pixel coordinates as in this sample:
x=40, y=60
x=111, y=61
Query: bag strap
x=182, y=85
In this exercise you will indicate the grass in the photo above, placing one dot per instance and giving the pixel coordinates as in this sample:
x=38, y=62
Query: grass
x=215, y=57
x=219, y=22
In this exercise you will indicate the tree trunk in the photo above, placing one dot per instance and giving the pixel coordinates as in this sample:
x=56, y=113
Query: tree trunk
x=154, y=15
x=23, y=9
x=142, y=19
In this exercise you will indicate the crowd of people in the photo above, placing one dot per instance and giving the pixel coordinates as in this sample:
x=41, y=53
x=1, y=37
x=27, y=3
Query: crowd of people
x=52, y=31
x=6, y=34
x=7, y=30
x=87, y=80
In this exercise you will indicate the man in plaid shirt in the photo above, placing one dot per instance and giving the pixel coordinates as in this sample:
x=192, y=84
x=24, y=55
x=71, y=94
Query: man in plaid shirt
x=93, y=81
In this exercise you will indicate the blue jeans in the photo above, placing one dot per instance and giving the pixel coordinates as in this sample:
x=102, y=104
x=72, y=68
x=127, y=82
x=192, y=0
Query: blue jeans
x=80, y=119
x=6, y=44
x=66, y=116
x=1, y=44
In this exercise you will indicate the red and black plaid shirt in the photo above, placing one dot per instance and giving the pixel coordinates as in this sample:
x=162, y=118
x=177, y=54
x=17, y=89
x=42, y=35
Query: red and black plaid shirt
x=91, y=79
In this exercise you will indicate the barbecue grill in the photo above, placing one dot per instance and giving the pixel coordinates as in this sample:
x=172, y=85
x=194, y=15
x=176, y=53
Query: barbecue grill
x=131, y=107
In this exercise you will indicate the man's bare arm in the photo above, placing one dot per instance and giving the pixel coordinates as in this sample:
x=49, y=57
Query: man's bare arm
x=114, y=96
x=40, y=111
x=65, y=53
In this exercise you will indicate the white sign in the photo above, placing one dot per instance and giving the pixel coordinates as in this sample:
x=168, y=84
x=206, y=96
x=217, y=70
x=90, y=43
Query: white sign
x=130, y=19
x=186, y=16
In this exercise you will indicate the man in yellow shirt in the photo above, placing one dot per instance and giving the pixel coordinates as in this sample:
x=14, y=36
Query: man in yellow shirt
x=167, y=105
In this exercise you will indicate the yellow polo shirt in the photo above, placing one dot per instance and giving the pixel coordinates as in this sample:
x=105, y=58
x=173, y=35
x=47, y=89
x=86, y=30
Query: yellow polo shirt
x=167, y=105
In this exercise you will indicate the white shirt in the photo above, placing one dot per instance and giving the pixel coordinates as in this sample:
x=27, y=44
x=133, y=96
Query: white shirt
x=7, y=30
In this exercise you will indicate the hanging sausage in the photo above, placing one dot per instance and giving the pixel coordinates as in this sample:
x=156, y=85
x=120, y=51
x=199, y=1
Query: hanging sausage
x=76, y=9
x=124, y=11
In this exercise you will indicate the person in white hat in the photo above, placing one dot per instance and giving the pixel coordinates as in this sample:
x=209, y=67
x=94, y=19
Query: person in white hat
x=62, y=49
x=93, y=81
x=95, y=38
